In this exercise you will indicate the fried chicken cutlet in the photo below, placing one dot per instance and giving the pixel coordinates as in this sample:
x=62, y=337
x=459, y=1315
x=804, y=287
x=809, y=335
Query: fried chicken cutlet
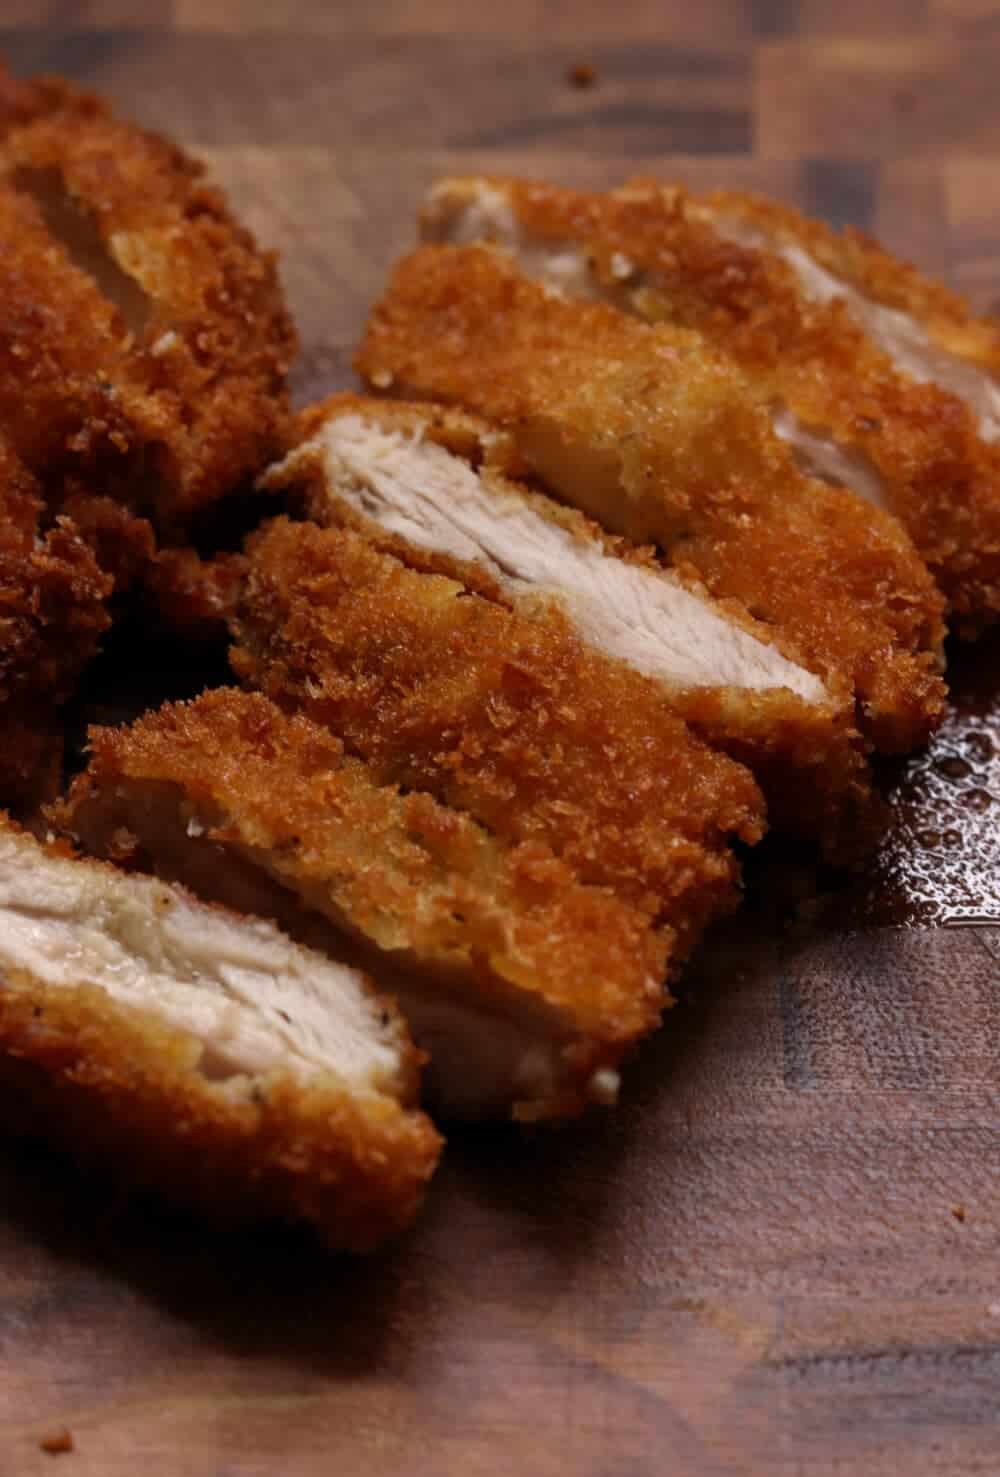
x=144, y=340
x=509, y=717
x=660, y=438
x=525, y=986
x=203, y=1053
x=877, y=379
x=424, y=484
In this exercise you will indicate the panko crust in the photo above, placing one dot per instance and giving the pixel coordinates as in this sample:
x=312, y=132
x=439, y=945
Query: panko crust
x=509, y=718
x=174, y=393
x=53, y=612
x=118, y=1087
x=807, y=757
x=654, y=248
x=422, y=888
x=677, y=448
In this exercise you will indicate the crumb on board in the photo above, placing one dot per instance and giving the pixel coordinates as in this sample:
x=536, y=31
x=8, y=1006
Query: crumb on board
x=958, y=1211
x=582, y=75
x=57, y=1443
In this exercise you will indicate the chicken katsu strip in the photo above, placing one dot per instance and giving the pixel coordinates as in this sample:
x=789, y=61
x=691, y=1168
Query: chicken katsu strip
x=143, y=336
x=661, y=439
x=848, y=385
x=510, y=718
x=421, y=482
x=203, y=1053
x=525, y=986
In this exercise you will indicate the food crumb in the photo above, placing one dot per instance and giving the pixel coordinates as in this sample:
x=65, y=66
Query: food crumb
x=958, y=1211
x=582, y=75
x=57, y=1443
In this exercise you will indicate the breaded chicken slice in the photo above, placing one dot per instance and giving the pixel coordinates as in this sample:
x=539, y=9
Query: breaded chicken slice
x=144, y=339
x=509, y=717
x=420, y=482
x=877, y=379
x=660, y=438
x=203, y=1053
x=525, y=986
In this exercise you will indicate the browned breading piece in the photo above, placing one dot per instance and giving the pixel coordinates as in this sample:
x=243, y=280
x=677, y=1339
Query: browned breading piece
x=661, y=439
x=53, y=611
x=202, y=1053
x=508, y=717
x=845, y=378
x=190, y=596
x=143, y=336
x=422, y=483
x=525, y=986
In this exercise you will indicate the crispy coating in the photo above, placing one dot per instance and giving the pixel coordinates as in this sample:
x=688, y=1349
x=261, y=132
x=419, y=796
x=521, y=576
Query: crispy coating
x=660, y=438
x=121, y=1088
x=143, y=336
x=228, y=793
x=191, y=596
x=654, y=250
x=53, y=611
x=807, y=757
x=510, y=718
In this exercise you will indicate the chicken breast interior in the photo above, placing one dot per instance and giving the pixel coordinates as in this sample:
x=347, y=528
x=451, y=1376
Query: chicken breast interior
x=644, y=616
x=523, y=985
x=254, y=1000
x=900, y=335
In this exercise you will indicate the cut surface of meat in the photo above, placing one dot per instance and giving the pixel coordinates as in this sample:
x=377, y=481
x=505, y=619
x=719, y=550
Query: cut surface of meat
x=877, y=379
x=526, y=986
x=185, y=1042
x=659, y=438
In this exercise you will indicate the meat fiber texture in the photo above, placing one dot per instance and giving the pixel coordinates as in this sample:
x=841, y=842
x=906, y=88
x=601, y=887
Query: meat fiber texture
x=144, y=340
x=426, y=484
x=525, y=986
x=879, y=379
x=660, y=438
x=203, y=1054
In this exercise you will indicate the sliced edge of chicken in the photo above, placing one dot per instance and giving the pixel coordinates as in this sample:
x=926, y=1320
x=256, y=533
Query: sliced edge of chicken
x=419, y=478
x=205, y=1053
x=463, y=211
x=525, y=986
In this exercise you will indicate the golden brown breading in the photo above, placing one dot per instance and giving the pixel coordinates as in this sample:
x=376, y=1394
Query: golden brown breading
x=510, y=718
x=655, y=251
x=804, y=750
x=190, y=596
x=660, y=438
x=143, y=336
x=265, y=812
x=53, y=611
x=124, y=1083
x=117, y=1087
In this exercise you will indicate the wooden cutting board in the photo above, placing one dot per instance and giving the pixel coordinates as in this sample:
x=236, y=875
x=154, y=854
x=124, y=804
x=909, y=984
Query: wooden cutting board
x=780, y=1255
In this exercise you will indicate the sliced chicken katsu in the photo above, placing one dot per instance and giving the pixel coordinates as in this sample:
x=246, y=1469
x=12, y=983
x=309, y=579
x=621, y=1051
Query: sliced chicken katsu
x=865, y=377
x=143, y=336
x=419, y=481
x=203, y=1053
x=525, y=986
x=508, y=717
x=660, y=438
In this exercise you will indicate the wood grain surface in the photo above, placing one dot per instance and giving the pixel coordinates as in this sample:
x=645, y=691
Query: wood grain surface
x=780, y=1256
